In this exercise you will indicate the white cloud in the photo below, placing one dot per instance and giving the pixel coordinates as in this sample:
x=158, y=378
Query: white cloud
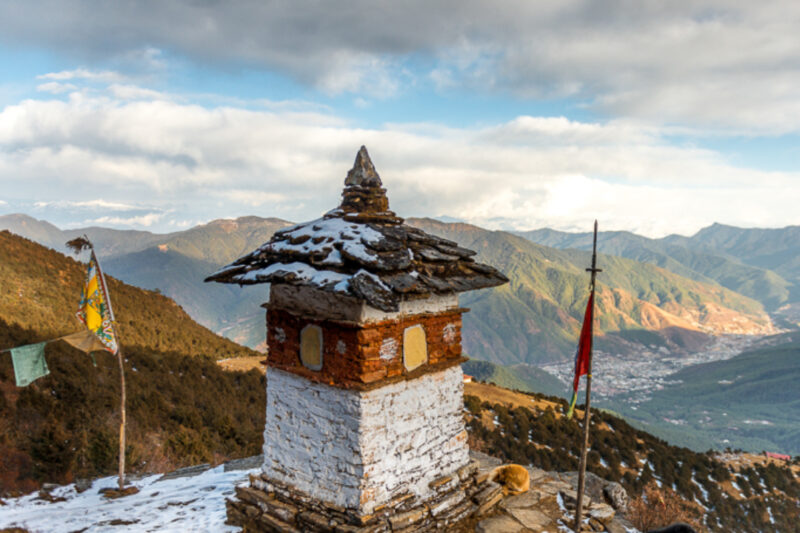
x=55, y=88
x=710, y=64
x=90, y=204
x=105, y=76
x=132, y=92
x=253, y=197
x=177, y=161
x=142, y=220
x=183, y=224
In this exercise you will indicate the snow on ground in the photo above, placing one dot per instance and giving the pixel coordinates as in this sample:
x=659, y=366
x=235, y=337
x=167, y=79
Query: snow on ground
x=173, y=505
x=702, y=490
x=736, y=486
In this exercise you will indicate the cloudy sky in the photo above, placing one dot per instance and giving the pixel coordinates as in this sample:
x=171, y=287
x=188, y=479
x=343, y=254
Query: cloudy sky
x=655, y=117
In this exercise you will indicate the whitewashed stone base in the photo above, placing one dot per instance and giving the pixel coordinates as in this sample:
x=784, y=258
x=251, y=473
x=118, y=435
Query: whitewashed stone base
x=359, y=450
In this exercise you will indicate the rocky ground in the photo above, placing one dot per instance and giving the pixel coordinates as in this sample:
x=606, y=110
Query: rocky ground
x=549, y=504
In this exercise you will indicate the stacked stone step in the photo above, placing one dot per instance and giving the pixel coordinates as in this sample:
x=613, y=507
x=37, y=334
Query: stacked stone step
x=268, y=506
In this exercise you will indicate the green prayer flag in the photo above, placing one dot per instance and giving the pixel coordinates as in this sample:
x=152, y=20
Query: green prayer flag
x=29, y=363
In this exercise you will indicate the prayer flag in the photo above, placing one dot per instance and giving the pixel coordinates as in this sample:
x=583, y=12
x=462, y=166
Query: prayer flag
x=95, y=309
x=86, y=341
x=584, y=353
x=29, y=363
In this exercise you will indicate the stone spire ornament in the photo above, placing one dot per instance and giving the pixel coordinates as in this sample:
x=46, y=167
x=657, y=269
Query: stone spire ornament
x=364, y=197
x=363, y=173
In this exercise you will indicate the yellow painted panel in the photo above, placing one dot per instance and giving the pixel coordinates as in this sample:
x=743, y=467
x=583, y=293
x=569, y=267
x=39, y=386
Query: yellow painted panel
x=311, y=347
x=415, y=347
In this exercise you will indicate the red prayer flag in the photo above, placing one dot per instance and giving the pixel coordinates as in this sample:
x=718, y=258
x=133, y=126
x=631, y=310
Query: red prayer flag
x=584, y=354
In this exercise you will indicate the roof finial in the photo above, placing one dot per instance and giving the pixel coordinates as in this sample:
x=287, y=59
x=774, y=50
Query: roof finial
x=363, y=173
x=364, y=196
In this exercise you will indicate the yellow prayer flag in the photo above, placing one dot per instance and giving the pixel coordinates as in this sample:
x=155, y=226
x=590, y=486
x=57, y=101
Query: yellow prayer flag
x=94, y=309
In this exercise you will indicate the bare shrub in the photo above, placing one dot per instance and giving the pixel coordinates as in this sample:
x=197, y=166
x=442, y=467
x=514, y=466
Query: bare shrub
x=659, y=507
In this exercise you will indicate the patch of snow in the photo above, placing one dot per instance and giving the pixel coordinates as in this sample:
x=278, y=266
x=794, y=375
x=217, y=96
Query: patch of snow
x=321, y=233
x=334, y=258
x=301, y=270
x=758, y=422
x=175, y=505
x=560, y=502
x=373, y=277
x=702, y=490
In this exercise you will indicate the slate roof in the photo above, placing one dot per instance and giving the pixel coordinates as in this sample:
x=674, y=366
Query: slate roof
x=364, y=250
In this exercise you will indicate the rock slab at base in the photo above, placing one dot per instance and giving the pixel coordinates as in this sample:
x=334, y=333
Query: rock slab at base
x=270, y=506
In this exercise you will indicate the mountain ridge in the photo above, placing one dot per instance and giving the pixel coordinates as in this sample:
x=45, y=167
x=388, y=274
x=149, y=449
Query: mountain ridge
x=539, y=312
x=682, y=256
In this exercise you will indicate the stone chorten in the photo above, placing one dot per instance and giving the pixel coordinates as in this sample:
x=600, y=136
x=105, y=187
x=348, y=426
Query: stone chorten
x=364, y=428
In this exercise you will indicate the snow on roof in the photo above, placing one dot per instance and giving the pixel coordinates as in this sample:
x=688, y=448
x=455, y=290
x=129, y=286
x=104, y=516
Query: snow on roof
x=363, y=250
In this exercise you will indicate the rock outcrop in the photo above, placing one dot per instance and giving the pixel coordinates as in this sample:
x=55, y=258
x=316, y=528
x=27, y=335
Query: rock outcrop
x=549, y=504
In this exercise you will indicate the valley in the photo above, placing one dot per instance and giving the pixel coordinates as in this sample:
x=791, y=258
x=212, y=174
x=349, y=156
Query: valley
x=632, y=378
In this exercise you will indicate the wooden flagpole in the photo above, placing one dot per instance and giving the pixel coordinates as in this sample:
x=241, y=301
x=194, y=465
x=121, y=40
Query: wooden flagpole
x=102, y=279
x=586, y=416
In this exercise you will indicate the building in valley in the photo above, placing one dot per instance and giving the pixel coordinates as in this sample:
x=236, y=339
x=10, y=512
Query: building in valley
x=364, y=426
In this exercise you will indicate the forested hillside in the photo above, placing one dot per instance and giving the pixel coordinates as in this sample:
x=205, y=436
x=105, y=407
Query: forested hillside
x=752, y=400
x=531, y=429
x=763, y=264
x=40, y=289
x=536, y=316
x=522, y=377
x=182, y=409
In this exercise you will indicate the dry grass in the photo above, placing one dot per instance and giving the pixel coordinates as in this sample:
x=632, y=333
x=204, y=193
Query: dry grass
x=243, y=364
x=493, y=394
x=745, y=460
x=660, y=507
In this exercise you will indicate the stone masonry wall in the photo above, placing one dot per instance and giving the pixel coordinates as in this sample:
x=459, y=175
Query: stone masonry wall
x=355, y=354
x=361, y=449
